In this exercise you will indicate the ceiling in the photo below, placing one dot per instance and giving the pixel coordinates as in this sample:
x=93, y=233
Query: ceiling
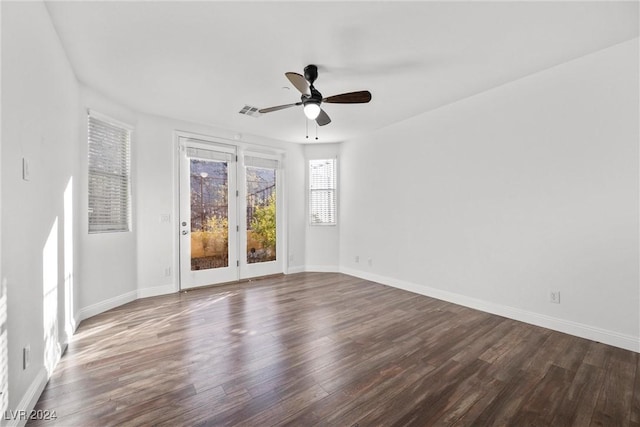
x=203, y=61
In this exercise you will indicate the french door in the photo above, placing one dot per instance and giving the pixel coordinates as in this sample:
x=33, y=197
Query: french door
x=229, y=221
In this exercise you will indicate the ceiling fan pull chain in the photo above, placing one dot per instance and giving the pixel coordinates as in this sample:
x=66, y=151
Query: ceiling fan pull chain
x=306, y=122
x=316, y=131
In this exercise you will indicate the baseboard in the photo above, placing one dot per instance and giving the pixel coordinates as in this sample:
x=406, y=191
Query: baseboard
x=322, y=268
x=102, y=306
x=156, y=290
x=70, y=329
x=296, y=269
x=627, y=342
x=28, y=401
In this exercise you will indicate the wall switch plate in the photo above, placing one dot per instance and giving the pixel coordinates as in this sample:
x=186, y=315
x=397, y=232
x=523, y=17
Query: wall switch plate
x=554, y=297
x=26, y=357
x=357, y=259
x=26, y=169
x=167, y=272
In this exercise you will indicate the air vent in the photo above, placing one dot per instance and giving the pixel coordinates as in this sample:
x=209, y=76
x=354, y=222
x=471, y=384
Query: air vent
x=248, y=110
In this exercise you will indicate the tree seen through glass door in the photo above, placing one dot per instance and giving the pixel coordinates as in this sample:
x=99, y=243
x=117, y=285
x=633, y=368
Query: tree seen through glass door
x=261, y=214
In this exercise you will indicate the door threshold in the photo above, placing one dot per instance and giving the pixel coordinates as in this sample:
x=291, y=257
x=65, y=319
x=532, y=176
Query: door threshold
x=233, y=282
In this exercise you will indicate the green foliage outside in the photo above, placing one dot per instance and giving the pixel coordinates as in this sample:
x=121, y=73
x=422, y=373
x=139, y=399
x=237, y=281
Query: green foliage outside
x=263, y=223
x=218, y=228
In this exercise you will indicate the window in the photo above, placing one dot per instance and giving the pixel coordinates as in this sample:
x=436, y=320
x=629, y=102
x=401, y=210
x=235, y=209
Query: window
x=322, y=192
x=109, y=175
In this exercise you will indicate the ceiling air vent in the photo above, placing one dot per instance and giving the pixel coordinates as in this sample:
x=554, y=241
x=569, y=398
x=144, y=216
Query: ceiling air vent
x=248, y=110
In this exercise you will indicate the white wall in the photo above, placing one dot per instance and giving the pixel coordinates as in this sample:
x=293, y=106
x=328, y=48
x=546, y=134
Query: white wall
x=322, y=241
x=4, y=364
x=497, y=199
x=296, y=192
x=39, y=122
x=155, y=177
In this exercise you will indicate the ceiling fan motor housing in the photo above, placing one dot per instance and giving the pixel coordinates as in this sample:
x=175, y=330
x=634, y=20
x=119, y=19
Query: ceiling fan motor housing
x=311, y=73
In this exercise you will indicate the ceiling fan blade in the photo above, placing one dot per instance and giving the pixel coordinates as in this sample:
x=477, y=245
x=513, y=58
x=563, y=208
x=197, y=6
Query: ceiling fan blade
x=299, y=82
x=323, y=118
x=279, y=107
x=360, y=97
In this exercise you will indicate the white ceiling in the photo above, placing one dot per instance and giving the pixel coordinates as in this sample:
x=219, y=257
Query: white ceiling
x=203, y=61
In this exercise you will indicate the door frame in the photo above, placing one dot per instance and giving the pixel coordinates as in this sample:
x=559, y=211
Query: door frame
x=242, y=148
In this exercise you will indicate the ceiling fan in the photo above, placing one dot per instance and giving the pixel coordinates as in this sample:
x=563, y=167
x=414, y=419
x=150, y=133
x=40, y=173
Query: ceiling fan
x=311, y=98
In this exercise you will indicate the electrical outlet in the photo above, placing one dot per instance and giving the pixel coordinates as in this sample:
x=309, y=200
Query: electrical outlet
x=26, y=357
x=167, y=272
x=165, y=217
x=554, y=297
x=357, y=259
x=370, y=262
x=291, y=258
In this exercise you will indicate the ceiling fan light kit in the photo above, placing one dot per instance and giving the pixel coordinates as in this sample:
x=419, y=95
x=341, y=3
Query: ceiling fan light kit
x=311, y=99
x=311, y=110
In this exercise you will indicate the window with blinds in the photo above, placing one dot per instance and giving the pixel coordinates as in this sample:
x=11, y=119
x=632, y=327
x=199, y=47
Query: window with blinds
x=109, y=175
x=322, y=192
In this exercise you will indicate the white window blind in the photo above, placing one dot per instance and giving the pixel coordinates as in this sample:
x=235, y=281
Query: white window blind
x=322, y=191
x=260, y=162
x=109, y=175
x=204, y=154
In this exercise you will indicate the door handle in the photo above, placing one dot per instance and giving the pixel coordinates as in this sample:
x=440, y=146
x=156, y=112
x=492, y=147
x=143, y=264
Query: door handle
x=185, y=232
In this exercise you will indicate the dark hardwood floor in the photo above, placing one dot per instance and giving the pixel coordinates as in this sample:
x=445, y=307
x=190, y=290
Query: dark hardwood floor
x=332, y=350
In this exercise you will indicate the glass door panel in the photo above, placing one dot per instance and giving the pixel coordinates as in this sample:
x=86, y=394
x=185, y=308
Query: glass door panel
x=261, y=215
x=260, y=248
x=209, y=214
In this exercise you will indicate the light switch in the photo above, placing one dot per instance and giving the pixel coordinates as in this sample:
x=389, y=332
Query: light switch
x=26, y=169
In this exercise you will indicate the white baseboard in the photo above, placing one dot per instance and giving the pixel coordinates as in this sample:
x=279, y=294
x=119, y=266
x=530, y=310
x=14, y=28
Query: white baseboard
x=102, y=306
x=627, y=342
x=322, y=268
x=296, y=269
x=156, y=290
x=29, y=400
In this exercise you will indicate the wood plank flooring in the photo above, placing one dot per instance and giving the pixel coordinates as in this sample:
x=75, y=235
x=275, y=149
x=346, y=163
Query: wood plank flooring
x=332, y=350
